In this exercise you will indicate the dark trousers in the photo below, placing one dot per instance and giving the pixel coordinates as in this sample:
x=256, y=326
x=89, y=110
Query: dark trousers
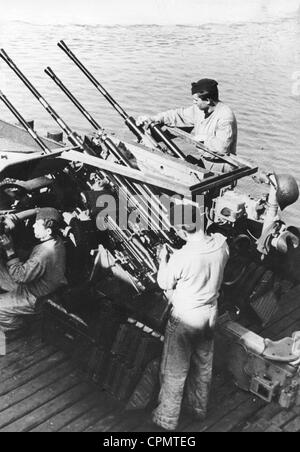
x=186, y=369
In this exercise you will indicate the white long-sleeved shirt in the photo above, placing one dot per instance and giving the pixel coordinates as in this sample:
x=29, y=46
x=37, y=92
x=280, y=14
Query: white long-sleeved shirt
x=195, y=274
x=218, y=131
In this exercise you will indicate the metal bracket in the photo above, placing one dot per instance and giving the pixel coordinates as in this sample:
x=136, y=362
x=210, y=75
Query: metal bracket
x=263, y=388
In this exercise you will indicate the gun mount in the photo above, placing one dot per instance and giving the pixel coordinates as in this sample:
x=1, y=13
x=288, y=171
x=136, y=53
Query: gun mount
x=115, y=197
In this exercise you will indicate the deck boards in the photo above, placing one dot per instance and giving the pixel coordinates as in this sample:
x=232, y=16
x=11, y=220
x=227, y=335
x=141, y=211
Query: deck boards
x=70, y=414
x=90, y=418
x=35, y=385
x=58, y=397
x=42, y=391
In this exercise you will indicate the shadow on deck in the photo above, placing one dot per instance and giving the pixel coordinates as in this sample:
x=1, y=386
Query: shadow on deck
x=42, y=391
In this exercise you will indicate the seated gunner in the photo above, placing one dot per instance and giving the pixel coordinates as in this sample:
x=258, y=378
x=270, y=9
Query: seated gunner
x=42, y=273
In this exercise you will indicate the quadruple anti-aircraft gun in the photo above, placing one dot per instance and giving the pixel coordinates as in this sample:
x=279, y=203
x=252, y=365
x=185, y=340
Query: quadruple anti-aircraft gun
x=99, y=178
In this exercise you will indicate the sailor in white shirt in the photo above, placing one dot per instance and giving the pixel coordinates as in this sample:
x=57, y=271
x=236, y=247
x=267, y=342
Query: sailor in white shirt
x=214, y=123
x=195, y=275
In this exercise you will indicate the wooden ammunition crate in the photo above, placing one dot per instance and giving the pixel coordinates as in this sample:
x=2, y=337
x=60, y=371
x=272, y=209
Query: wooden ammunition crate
x=67, y=332
x=112, y=352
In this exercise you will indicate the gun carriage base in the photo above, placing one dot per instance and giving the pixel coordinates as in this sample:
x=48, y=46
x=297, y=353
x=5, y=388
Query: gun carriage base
x=143, y=315
x=77, y=180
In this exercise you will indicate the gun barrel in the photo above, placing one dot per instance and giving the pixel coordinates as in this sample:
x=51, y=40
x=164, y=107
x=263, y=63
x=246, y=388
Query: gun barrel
x=129, y=121
x=172, y=146
x=73, y=138
x=80, y=107
x=63, y=46
x=24, y=123
x=134, y=248
x=142, y=189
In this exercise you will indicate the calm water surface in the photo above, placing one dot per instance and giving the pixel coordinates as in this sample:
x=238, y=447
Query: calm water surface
x=150, y=68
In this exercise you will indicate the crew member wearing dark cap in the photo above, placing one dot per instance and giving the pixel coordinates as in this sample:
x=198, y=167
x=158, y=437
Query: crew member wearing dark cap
x=41, y=274
x=214, y=122
x=194, y=274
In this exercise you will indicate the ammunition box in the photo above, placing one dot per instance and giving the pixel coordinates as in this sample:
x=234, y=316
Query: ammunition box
x=111, y=351
x=67, y=332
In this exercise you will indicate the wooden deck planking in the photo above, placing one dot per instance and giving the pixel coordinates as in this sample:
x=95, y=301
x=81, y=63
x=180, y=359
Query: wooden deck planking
x=40, y=398
x=15, y=376
x=106, y=406
x=260, y=420
x=293, y=426
x=25, y=406
x=35, y=385
x=17, y=342
x=237, y=405
x=283, y=420
x=223, y=389
x=42, y=392
x=115, y=420
x=244, y=404
x=127, y=421
x=22, y=351
x=70, y=414
x=62, y=395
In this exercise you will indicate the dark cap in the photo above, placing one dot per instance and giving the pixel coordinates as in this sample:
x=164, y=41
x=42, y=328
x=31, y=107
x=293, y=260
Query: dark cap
x=48, y=213
x=204, y=86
